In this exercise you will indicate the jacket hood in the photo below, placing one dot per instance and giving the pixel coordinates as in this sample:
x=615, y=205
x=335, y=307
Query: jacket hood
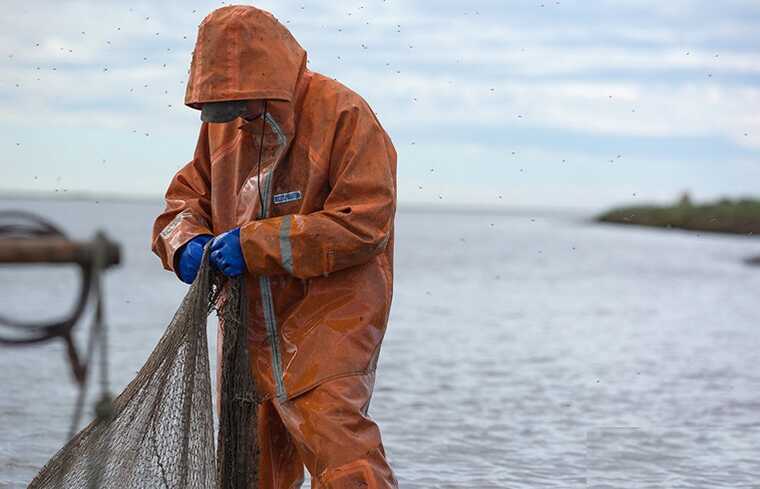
x=243, y=53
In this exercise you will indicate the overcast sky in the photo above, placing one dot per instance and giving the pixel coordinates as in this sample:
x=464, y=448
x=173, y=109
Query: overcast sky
x=526, y=102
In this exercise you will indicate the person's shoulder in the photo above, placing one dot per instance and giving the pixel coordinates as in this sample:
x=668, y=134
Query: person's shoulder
x=336, y=95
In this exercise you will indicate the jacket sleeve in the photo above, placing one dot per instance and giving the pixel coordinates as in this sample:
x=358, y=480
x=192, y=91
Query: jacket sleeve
x=356, y=221
x=188, y=205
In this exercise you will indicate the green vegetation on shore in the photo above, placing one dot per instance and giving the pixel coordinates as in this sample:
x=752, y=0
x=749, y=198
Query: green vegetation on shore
x=740, y=216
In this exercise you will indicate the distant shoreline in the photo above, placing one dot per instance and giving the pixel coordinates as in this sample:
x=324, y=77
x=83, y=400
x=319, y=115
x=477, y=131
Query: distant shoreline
x=740, y=216
x=405, y=207
x=81, y=196
x=724, y=216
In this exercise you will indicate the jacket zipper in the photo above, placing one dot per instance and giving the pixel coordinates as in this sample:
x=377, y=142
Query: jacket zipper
x=265, y=285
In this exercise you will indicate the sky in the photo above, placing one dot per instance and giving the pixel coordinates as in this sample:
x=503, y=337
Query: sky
x=585, y=103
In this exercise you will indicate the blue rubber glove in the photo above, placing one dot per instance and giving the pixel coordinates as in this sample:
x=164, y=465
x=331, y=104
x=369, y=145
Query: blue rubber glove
x=190, y=255
x=226, y=254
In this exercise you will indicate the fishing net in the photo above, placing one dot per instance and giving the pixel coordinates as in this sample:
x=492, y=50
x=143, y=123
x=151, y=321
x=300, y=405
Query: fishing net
x=160, y=430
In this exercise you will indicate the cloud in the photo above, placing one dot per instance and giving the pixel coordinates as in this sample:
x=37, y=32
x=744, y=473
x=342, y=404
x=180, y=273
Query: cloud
x=623, y=69
x=599, y=107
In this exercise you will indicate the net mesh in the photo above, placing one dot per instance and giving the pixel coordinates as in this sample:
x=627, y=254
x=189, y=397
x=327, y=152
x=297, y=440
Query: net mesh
x=160, y=433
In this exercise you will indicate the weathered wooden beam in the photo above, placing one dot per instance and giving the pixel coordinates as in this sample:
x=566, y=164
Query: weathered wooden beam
x=56, y=251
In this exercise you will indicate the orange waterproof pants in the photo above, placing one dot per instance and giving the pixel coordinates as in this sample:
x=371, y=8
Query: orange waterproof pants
x=327, y=429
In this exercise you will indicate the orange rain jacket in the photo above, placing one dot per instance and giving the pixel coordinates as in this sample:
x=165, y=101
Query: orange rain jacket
x=319, y=252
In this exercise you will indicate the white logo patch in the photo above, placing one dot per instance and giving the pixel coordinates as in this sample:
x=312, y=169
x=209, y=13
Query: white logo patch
x=287, y=197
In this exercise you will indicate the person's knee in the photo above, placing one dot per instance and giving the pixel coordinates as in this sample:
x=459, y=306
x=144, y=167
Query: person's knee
x=339, y=443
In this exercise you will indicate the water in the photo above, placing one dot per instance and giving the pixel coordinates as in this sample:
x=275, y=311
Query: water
x=523, y=351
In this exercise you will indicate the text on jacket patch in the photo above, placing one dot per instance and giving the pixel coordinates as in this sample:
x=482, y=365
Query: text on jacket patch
x=287, y=197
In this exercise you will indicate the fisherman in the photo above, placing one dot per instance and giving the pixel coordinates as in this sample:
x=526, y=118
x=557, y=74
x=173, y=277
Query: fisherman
x=294, y=182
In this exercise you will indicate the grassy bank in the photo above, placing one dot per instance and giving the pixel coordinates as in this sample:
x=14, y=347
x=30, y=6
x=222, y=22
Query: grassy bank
x=740, y=216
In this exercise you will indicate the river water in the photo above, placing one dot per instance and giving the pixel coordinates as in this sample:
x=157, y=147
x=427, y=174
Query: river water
x=524, y=350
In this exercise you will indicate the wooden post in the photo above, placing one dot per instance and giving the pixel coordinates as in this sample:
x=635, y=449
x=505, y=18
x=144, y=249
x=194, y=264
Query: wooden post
x=54, y=251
